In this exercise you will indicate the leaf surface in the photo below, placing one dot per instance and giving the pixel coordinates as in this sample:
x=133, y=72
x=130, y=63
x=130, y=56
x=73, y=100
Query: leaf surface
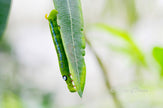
x=158, y=55
x=4, y=12
x=131, y=47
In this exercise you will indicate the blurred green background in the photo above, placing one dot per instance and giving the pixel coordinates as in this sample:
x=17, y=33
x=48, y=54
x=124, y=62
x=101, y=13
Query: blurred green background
x=125, y=34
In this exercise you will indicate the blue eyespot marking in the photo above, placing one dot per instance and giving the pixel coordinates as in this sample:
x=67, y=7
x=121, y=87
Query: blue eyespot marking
x=64, y=77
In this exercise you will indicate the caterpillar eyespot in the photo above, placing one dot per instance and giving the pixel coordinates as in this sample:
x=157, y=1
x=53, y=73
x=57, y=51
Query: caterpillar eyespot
x=64, y=77
x=57, y=40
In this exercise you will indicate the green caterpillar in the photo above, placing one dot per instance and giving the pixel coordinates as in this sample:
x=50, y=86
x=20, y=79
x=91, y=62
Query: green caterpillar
x=63, y=63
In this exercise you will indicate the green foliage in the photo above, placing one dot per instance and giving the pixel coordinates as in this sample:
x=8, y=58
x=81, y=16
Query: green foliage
x=130, y=48
x=70, y=20
x=47, y=101
x=4, y=46
x=11, y=100
x=4, y=12
x=158, y=55
x=131, y=11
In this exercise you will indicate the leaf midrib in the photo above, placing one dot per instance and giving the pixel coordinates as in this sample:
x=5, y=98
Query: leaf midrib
x=69, y=10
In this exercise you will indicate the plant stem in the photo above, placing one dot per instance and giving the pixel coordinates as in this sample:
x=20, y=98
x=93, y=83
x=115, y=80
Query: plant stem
x=105, y=74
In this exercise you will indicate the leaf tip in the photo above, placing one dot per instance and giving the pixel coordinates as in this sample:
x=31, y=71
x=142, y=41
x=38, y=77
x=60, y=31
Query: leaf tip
x=80, y=93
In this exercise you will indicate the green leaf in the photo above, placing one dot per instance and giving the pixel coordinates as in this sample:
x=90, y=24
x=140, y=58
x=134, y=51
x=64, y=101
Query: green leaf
x=114, y=31
x=47, y=100
x=135, y=52
x=5, y=46
x=10, y=100
x=70, y=20
x=131, y=11
x=4, y=12
x=121, y=49
x=158, y=55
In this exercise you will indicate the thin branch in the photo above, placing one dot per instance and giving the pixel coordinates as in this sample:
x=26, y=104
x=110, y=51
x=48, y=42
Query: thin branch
x=105, y=74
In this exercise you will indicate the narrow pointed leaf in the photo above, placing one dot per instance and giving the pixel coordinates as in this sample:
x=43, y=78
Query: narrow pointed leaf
x=132, y=47
x=4, y=12
x=158, y=55
x=70, y=20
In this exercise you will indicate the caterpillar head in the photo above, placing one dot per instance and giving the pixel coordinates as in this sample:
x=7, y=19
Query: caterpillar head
x=52, y=15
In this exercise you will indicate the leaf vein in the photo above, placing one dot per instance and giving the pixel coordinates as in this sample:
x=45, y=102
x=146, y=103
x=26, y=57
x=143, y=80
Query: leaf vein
x=72, y=35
